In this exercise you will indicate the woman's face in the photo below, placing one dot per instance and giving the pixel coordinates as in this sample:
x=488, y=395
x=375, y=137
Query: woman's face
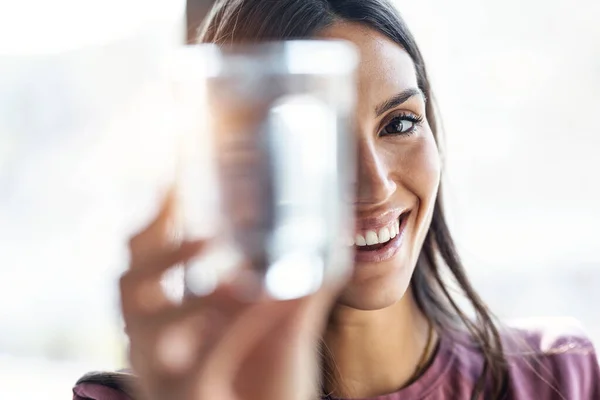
x=399, y=170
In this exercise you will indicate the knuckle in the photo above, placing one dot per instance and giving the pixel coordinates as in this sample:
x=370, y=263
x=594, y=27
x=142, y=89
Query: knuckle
x=132, y=243
x=138, y=243
x=125, y=283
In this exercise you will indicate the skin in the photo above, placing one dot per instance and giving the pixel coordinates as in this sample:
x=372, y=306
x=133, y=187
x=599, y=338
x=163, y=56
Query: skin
x=220, y=347
x=377, y=333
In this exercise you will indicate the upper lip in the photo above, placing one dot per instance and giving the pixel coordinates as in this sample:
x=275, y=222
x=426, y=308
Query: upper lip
x=377, y=221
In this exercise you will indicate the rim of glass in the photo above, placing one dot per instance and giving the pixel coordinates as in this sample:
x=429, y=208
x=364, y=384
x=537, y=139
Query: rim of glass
x=289, y=57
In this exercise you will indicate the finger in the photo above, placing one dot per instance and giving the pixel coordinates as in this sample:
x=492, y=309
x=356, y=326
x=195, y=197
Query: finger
x=141, y=286
x=173, y=346
x=315, y=310
x=189, y=332
x=170, y=342
x=223, y=302
x=157, y=235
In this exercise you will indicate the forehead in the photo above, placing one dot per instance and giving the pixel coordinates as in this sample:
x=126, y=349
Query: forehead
x=385, y=67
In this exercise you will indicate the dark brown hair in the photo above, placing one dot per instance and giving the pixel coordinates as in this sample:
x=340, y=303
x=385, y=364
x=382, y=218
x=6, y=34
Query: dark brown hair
x=235, y=21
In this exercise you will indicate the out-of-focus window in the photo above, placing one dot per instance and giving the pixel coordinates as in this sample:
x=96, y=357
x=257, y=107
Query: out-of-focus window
x=84, y=135
x=518, y=85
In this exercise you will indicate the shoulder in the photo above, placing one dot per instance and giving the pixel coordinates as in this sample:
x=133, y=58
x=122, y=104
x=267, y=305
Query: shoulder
x=105, y=386
x=552, y=356
x=551, y=335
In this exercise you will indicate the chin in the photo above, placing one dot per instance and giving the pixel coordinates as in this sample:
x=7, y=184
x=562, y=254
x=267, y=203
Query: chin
x=369, y=291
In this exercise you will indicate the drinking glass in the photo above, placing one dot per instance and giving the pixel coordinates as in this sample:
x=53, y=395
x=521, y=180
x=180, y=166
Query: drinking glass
x=268, y=164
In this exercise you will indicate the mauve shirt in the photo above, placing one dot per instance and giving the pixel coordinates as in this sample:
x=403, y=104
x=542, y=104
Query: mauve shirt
x=551, y=359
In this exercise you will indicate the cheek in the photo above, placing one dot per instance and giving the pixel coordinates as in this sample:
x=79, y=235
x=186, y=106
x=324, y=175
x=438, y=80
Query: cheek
x=423, y=169
x=417, y=170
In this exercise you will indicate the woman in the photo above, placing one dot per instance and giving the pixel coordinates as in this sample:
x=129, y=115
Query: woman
x=394, y=330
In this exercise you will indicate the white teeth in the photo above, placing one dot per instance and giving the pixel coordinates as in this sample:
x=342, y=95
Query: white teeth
x=383, y=235
x=360, y=240
x=371, y=238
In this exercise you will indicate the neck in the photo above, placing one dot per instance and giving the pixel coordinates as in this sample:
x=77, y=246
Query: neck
x=375, y=352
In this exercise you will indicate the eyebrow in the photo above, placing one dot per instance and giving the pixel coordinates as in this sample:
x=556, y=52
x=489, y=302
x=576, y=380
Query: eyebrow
x=397, y=100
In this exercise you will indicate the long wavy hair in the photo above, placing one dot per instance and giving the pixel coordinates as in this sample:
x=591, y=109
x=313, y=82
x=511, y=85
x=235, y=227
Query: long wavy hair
x=439, y=267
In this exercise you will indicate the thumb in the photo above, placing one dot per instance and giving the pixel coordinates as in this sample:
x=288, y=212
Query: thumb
x=310, y=314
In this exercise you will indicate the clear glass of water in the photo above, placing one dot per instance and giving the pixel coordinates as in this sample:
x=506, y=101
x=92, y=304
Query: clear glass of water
x=267, y=166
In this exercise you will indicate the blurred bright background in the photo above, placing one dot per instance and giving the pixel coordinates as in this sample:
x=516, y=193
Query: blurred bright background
x=517, y=82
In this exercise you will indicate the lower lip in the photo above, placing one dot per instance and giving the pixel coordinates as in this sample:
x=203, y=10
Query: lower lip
x=386, y=252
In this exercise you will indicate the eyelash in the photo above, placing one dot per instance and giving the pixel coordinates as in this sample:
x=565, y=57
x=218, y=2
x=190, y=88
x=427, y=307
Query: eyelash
x=417, y=120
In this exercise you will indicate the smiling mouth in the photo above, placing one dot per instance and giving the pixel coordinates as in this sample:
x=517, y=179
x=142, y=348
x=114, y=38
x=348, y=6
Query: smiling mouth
x=372, y=242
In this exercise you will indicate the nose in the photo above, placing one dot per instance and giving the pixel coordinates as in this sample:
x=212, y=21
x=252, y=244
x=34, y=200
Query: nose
x=374, y=184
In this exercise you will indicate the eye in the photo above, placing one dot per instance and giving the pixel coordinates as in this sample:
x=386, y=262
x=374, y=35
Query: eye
x=401, y=125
